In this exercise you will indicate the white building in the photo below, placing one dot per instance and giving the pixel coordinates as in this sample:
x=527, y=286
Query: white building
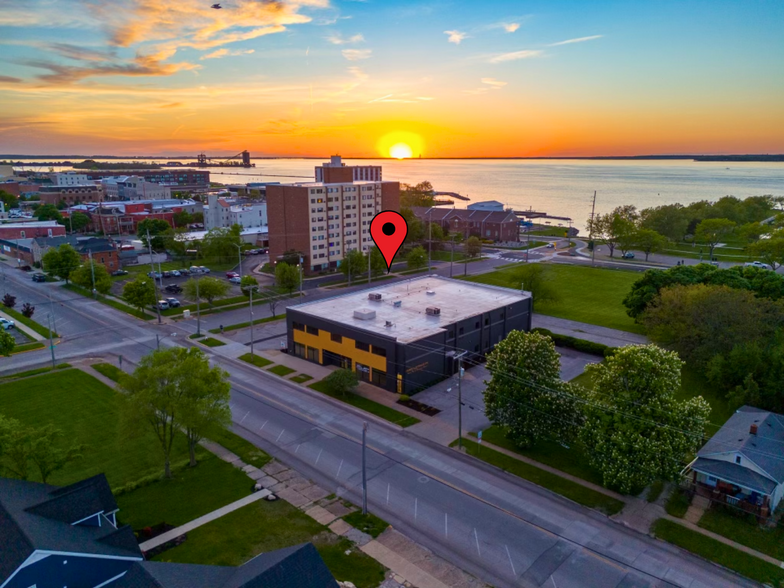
x=488, y=205
x=134, y=188
x=69, y=179
x=223, y=211
x=359, y=173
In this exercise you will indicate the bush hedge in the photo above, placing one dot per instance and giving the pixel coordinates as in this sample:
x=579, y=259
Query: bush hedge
x=577, y=344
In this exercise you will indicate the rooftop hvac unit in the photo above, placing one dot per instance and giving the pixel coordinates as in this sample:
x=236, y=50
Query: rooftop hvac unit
x=374, y=296
x=364, y=314
x=433, y=311
x=398, y=303
x=431, y=292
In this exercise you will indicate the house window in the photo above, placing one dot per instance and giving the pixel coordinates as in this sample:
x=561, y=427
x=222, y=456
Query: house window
x=312, y=330
x=298, y=326
x=460, y=331
x=476, y=325
x=487, y=320
x=379, y=351
x=299, y=350
x=336, y=338
x=737, y=459
x=313, y=354
x=362, y=346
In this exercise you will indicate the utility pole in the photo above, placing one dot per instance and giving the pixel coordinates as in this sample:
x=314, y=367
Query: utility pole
x=51, y=342
x=198, y=308
x=154, y=285
x=157, y=342
x=460, y=401
x=239, y=255
x=590, y=236
x=364, y=468
x=250, y=309
x=92, y=271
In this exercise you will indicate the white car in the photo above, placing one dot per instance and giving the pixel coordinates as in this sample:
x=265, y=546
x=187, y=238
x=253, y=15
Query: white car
x=757, y=264
x=176, y=273
x=7, y=324
x=235, y=280
x=550, y=246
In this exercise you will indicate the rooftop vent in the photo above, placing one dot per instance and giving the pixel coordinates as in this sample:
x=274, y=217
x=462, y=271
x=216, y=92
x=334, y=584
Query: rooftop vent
x=398, y=303
x=364, y=314
x=374, y=296
x=388, y=324
x=433, y=311
x=431, y=292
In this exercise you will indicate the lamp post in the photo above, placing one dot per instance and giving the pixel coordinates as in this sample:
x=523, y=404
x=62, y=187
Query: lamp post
x=154, y=285
x=364, y=468
x=239, y=255
x=460, y=401
x=158, y=340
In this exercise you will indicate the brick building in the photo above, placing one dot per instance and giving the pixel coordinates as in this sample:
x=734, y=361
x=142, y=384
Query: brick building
x=494, y=225
x=70, y=194
x=31, y=251
x=29, y=230
x=335, y=170
x=325, y=220
x=181, y=177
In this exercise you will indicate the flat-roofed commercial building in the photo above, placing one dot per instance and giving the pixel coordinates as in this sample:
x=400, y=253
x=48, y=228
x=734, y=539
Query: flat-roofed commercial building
x=406, y=336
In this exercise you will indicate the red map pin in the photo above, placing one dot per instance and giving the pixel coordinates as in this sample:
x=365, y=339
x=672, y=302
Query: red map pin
x=388, y=229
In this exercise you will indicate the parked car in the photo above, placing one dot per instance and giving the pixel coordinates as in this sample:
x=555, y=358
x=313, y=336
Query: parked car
x=173, y=302
x=173, y=289
x=39, y=278
x=119, y=273
x=628, y=255
x=7, y=324
x=184, y=272
x=176, y=273
x=235, y=280
x=204, y=270
x=156, y=275
x=550, y=246
x=167, y=274
x=249, y=252
x=195, y=269
x=232, y=275
x=162, y=305
x=757, y=264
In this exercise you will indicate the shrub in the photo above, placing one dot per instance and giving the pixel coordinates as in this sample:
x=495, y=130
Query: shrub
x=28, y=310
x=9, y=301
x=577, y=344
x=341, y=381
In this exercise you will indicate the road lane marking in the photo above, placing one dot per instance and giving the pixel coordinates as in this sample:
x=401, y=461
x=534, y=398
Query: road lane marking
x=297, y=449
x=319, y=456
x=280, y=435
x=388, y=484
x=416, y=507
x=446, y=526
x=339, y=468
x=511, y=563
x=261, y=428
x=246, y=416
x=476, y=536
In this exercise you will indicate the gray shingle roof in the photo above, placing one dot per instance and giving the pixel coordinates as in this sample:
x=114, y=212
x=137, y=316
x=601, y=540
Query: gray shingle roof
x=765, y=449
x=737, y=474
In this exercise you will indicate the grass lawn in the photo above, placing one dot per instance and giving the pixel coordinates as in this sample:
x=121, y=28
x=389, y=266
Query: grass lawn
x=571, y=490
x=28, y=347
x=269, y=319
x=39, y=328
x=196, y=336
x=301, y=379
x=655, y=491
x=87, y=411
x=191, y=493
x=718, y=552
x=446, y=255
x=265, y=526
x=245, y=450
x=572, y=461
x=589, y=295
x=211, y=342
x=110, y=371
x=743, y=528
x=281, y=370
x=678, y=503
x=380, y=410
x=35, y=372
x=369, y=523
x=256, y=360
x=523, y=247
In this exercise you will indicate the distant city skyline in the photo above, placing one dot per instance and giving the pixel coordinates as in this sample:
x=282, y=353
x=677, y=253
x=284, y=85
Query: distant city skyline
x=373, y=79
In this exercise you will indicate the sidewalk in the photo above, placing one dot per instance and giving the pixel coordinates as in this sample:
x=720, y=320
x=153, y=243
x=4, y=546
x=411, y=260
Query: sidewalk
x=24, y=328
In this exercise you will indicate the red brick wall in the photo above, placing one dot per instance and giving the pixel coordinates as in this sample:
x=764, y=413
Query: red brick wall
x=288, y=215
x=11, y=231
x=390, y=196
x=338, y=175
x=109, y=259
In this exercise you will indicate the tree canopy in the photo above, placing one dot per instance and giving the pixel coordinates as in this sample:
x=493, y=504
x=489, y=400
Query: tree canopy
x=48, y=212
x=712, y=231
x=416, y=258
x=157, y=227
x=222, y=243
x=61, y=262
x=207, y=288
x=83, y=276
x=287, y=277
x=140, y=293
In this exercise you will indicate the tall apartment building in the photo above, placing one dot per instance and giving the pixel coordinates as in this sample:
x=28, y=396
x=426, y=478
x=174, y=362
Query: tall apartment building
x=325, y=220
x=335, y=170
x=134, y=188
x=224, y=212
x=68, y=179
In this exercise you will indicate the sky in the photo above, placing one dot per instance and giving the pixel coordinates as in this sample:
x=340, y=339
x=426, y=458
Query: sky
x=366, y=78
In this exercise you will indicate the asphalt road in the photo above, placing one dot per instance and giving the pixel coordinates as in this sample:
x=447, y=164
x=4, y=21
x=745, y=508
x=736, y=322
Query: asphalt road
x=501, y=528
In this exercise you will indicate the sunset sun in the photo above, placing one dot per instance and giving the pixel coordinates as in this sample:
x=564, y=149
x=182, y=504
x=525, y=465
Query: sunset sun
x=400, y=151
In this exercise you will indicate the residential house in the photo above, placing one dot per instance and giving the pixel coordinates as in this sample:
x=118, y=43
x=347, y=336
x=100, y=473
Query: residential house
x=742, y=465
x=102, y=250
x=485, y=224
x=70, y=537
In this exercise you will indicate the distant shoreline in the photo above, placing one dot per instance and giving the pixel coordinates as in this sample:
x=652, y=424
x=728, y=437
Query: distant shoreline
x=739, y=158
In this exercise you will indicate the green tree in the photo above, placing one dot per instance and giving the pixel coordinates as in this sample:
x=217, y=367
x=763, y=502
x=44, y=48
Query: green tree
x=615, y=227
x=182, y=218
x=525, y=394
x=83, y=276
x=669, y=220
x=378, y=264
x=140, y=293
x=531, y=278
x=157, y=228
x=290, y=257
x=712, y=231
x=416, y=228
x=77, y=221
x=249, y=284
x=208, y=289
x=341, y=382
x=353, y=264
x=7, y=343
x=436, y=231
x=649, y=241
x=752, y=232
x=153, y=397
x=62, y=261
x=48, y=455
x=416, y=258
x=47, y=212
x=635, y=430
x=287, y=276
x=9, y=300
x=9, y=200
x=17, y=446
x=473, y=247
x=419, y=195
x=222, y=243
x=771, y=250
x=205, y=399
x=176, y=242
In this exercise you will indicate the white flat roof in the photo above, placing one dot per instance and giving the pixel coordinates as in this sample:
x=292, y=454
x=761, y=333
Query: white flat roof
x=457, y=299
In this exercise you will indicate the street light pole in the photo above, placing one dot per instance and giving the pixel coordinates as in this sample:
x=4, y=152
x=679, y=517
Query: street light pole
x=51, y=342
x=239, y=255
x=250, y=310
x=154, y=285
x=198, y=308
x=460, y=401
x=451, y=260
x=92, y=271
x=364, y=468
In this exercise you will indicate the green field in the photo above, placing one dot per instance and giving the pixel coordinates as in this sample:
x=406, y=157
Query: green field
x=265, y=526
x=588, y=295
x=109, y=370
x=88, y=412
x=256, y=360
x=301, y=379
x=245, y=450
x=744, y=529
x=211, y=342
x=718, y=552
x=281, y=370
x=380, y=410
x=540, y=477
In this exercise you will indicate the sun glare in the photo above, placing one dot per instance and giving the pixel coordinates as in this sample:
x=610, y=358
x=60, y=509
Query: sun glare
x=400, y=151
